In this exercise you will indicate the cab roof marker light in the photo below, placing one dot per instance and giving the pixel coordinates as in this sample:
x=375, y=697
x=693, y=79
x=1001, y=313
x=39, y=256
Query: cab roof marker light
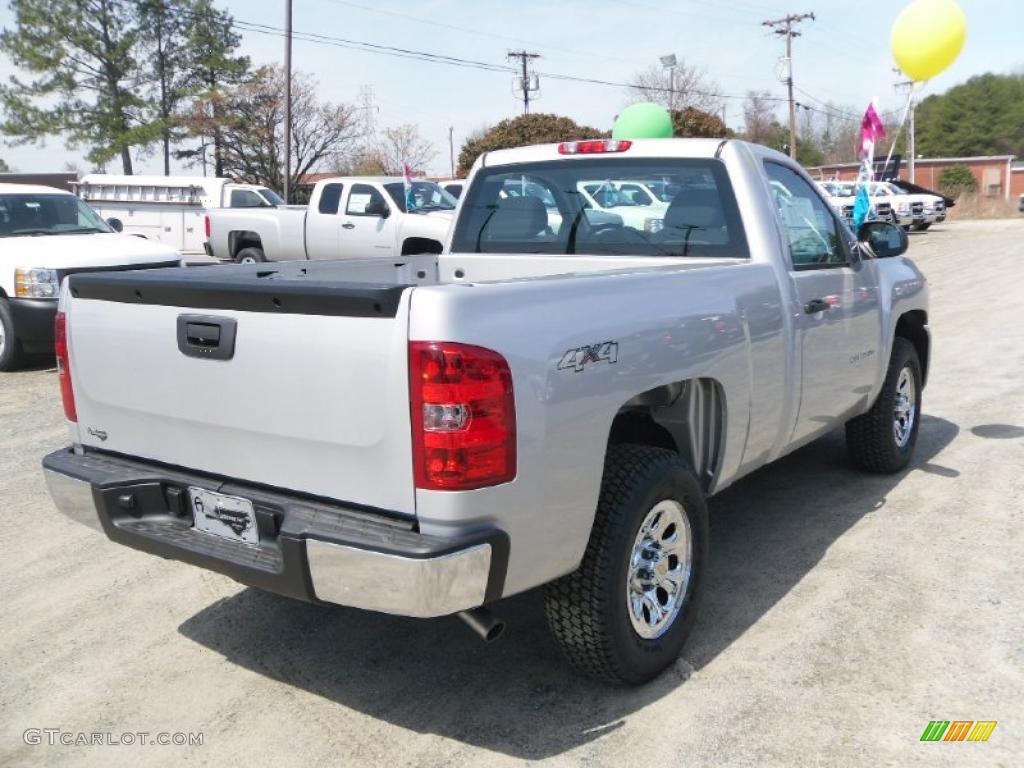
x=596, y=147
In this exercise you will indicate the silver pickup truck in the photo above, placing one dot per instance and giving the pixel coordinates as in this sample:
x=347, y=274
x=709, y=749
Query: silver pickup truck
x=548, y=402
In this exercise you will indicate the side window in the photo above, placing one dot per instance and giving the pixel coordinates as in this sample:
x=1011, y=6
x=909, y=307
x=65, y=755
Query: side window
x=811, y=227
x=360, y=197
x=245, y=198
x=330, y=197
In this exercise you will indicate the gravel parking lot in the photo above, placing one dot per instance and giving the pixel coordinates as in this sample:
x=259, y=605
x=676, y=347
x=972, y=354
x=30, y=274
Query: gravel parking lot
x=843, y=611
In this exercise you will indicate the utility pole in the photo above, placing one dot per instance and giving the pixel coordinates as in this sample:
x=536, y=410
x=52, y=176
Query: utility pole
x=911, y=148
x=784, y=26
x=287, y=100
x=527, y=83
x=451, y=147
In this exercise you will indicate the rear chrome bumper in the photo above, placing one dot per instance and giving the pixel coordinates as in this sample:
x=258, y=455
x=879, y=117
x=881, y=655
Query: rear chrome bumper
x=309, y=549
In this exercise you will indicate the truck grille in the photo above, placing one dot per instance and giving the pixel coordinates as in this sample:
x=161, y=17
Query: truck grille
x=884, y=210
x=917, y=209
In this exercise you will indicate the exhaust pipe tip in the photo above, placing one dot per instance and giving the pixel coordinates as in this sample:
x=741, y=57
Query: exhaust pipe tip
x=488, y=626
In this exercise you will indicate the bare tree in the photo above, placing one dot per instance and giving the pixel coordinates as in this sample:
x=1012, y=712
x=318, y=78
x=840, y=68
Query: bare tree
x=760, y=122
x=403, y=145
x=252, y=142
x=676, y=89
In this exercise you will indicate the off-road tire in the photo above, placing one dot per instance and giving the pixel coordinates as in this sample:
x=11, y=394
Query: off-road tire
x=256, y=254
x=587, y=610
x=12, y=356
x=870, y=440
x=923, y=227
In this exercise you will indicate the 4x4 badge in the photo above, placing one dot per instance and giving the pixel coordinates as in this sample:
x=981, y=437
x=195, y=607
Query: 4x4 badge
x=579, y=358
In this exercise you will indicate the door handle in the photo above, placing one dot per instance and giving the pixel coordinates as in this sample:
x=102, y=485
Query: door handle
x=207, y=336
x=814, y=306
x=348, y=225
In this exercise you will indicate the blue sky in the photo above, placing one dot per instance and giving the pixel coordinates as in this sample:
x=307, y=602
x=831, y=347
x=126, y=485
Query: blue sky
x=842, y=56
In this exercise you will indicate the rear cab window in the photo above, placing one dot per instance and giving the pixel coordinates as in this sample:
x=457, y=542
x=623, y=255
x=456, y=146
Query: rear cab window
x=603, y=206
x=330, y=197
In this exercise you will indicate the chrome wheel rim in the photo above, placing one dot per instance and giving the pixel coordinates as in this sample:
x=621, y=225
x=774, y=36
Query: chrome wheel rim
x=904, y=407
x=660, y=565
x=3, y=339
x=247, y=260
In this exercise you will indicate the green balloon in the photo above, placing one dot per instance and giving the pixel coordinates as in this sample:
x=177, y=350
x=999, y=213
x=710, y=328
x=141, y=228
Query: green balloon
x=645, y=120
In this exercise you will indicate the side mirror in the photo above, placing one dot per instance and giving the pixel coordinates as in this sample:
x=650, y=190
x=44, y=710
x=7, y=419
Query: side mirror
x=881, y=240
x=115, y=224
x=377, y=208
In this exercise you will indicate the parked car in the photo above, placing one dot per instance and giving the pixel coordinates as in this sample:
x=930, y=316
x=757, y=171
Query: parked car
x=170, y=209
x=346, y=216
x=626, y=199
x=533, y=406
x=45, y=235
x=455, y=187
x=1020, y=204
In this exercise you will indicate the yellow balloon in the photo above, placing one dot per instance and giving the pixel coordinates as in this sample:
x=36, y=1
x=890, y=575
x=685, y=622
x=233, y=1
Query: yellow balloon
x=927, y=37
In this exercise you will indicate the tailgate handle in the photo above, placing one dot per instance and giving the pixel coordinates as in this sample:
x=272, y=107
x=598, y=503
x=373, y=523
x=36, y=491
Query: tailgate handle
x=207, y=336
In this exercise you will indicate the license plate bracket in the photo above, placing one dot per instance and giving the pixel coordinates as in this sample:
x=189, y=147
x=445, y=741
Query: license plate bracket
x=230, y=517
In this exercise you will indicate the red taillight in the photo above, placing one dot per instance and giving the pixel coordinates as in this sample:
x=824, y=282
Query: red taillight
x=463, y=416
x=60, y=343
x=206, y=226
x=598, y=147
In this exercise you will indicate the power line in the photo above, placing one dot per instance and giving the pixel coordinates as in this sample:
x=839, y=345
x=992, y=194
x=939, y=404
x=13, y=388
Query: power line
x=784, y=26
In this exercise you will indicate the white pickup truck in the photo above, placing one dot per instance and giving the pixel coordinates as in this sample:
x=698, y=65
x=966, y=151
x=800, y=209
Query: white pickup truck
x=171, y=209
x=350, y=216
x=45, y=235
x=537, y=405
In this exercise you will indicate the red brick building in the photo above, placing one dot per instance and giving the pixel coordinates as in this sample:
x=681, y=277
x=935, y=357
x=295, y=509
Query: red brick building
x=997, y=175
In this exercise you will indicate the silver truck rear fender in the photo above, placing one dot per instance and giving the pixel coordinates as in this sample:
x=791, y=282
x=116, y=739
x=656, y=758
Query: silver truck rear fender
x=586, y=347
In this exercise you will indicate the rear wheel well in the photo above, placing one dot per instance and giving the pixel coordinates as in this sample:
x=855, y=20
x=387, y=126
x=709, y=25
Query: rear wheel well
x=912, y=326
x=418, y=245
x=687, y=417
x=243, y=239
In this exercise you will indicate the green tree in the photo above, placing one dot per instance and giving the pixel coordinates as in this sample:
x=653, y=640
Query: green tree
x=984, y=116
x=164, y=43
x=691, y=122
x=4, y=167
x=956, y=180
x=214, y=69
x=534, y=128
x=84, y=79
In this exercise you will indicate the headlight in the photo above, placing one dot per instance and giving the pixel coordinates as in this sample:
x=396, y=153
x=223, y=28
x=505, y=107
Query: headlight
x=36, y=284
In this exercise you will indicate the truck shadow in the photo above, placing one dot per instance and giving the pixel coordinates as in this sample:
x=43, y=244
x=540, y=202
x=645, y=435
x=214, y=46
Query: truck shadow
x=518, y=696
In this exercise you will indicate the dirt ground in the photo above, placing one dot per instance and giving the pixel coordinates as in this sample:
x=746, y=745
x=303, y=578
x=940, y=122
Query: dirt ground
x=843, y=612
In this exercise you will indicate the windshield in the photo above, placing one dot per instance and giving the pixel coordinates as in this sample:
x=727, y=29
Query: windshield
x=271, y=196
x=426, y=196
x=28, y=214
x=558, y=207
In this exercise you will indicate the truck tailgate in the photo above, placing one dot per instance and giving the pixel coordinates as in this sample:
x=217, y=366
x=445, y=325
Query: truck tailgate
x=314, y=397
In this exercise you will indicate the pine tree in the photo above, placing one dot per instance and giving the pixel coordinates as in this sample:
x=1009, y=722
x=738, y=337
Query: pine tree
x=84, y=79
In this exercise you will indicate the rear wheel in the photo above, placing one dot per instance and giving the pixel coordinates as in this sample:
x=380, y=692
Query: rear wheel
x=11, y=354
x=624, y=616
x=250, y=255
x=883, y=439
